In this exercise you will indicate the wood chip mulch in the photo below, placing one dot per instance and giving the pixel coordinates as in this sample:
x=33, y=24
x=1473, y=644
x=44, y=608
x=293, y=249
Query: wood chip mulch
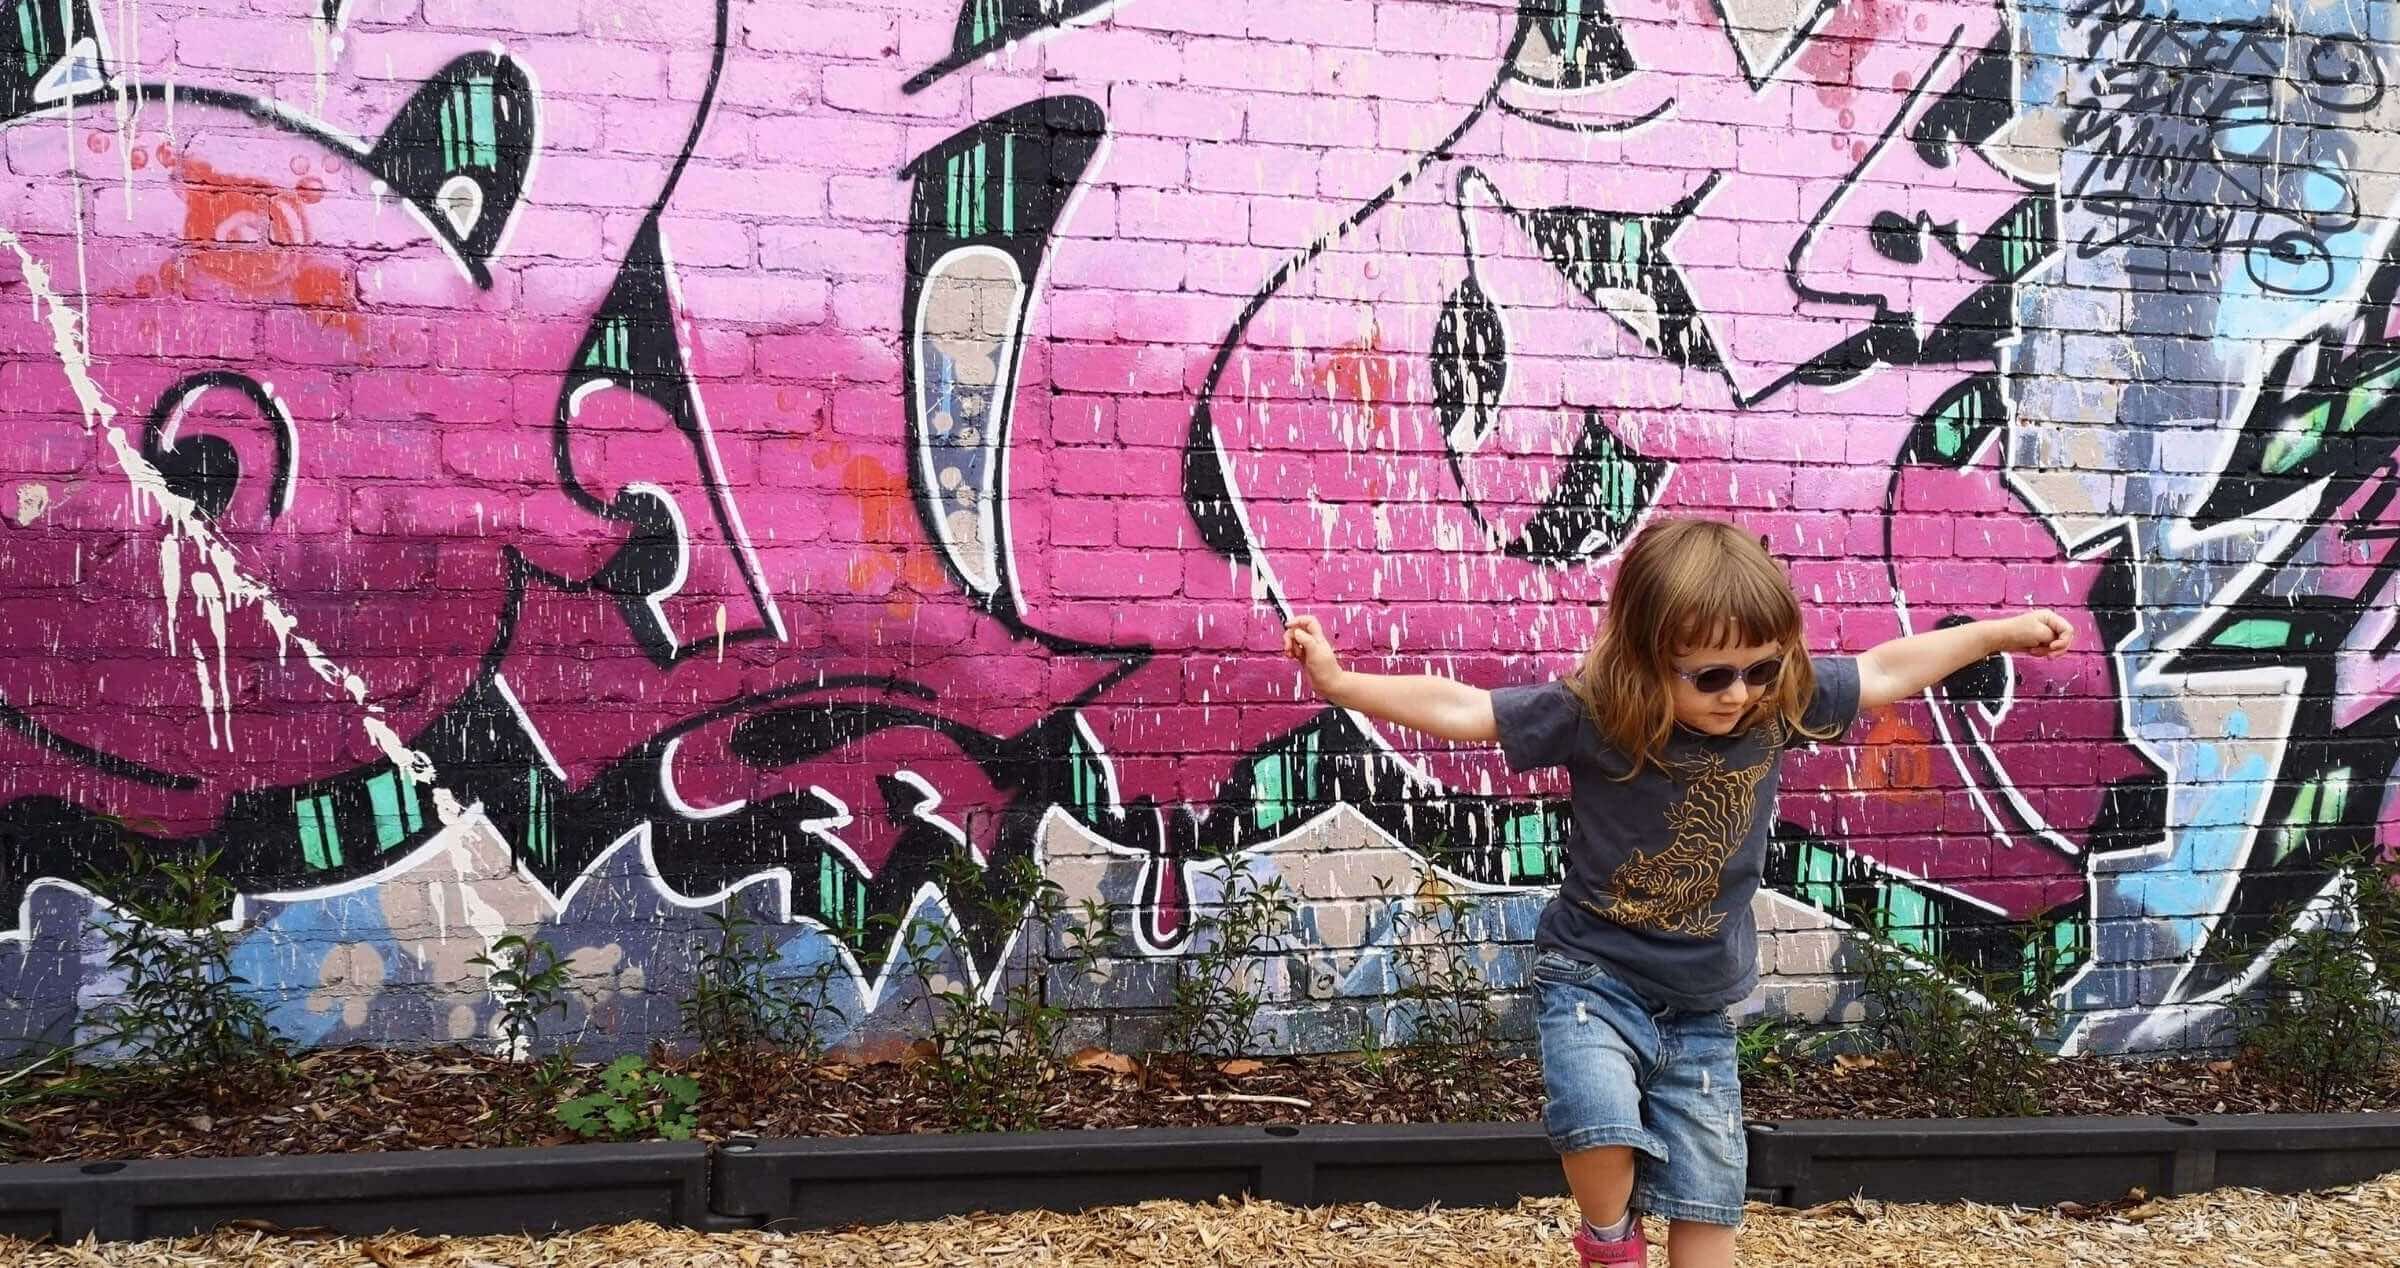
x=371, y=1099
x=2226, y=1229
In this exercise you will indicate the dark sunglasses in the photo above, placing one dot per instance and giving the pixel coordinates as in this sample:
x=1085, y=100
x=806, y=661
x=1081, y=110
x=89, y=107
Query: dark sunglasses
x=1717, y=678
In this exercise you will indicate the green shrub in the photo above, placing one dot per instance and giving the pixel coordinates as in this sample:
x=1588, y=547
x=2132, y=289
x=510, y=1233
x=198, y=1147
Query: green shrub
x=992, y=1049
x=739, y=1006
x=181, y=1013
x=1452, y=1046
x=2324, y=1020
x=1212, y=1009
x=1980, y=1035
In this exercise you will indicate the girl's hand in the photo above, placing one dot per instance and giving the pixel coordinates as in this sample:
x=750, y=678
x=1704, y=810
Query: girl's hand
x=1304, y=641
x=2041, y=632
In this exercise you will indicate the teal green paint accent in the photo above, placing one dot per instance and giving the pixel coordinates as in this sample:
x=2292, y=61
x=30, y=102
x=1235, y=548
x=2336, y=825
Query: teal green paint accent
x=1816, y=878
x=1526, y=840
x=2290, y=448
x=1310, y=768
x=383, y=793
x=320, y=837
x=1267, y=776
x=412, y=815
x=485, y=131
x=2320, y=803
x=983, y=189
x=1008, y=185
x=2256, y=632
x=1907, y=917
x=538, y=840
x=32, y=36
x=312, y=841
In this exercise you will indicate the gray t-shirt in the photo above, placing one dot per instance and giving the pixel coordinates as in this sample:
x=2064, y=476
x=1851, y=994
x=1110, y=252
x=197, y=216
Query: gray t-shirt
x=1661, y=867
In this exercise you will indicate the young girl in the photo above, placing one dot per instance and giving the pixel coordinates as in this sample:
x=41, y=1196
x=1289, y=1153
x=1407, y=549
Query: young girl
x=1672, y=733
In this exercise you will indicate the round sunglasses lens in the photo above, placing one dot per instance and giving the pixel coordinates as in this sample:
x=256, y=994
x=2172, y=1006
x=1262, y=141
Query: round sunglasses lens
x=1764, y=673
x=1714, y=679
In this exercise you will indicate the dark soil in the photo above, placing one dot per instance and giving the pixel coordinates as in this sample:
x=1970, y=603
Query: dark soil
x=360, y=1099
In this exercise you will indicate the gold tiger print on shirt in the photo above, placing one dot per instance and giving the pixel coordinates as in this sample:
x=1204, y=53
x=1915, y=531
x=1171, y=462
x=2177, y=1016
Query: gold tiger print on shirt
x=1674, y=889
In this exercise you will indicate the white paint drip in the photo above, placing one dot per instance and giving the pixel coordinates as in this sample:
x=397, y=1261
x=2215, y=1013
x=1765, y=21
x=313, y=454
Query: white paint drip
x=170, y=579
x=209, y=597
x=219, y=586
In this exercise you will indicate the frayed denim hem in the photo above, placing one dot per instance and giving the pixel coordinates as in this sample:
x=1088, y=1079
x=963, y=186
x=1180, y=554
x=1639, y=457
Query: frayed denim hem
x=1649, y=1203
x=1585, y=1138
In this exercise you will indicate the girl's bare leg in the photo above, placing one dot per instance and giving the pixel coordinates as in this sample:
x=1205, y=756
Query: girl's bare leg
x=1602, y=1181
x=1691, y=1244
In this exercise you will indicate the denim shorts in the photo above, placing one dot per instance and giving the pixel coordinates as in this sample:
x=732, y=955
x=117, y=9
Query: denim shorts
x=1663, y=1081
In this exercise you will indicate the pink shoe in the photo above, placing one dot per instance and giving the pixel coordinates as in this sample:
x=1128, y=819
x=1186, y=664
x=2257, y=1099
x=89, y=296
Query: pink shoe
x=1591, y=1250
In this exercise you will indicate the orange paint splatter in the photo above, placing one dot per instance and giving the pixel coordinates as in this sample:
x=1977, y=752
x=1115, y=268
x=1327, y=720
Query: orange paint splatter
x=247, y=236
x=890, y=539
x=1896, y=759
x=1361, y=372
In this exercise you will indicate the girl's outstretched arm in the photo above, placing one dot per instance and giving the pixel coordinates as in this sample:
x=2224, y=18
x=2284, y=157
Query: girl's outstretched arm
x=1421, y=702
x=1905, y=666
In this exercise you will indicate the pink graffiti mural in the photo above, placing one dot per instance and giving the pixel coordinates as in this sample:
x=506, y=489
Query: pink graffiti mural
x=839, y=435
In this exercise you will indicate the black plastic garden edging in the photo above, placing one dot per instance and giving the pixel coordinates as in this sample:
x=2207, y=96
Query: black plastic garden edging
x=463, y=1192
x=2043, y=1161
x=826, y=1182
x=878, y=1179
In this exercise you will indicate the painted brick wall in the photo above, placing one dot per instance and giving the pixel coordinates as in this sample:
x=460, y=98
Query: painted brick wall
x=564, y=468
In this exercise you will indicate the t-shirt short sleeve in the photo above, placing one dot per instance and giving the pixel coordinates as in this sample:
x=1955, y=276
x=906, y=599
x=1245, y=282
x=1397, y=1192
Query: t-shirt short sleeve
x=1835, y=705
x=1540, y=725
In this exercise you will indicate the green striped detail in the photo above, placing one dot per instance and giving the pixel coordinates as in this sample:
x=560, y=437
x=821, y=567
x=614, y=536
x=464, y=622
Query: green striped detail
x=1008, y=184
x=1962, y=423
x=2320, y=804
x=966, y=196
x=2024, y=239
x=398, y=812
x=841, y=894
x=1905, y=916
x=1272, y=802
x=2066, y=949
x=1087, y=780
x=1286, y=779
x=470, y=128
x=611, y=347
x=541, y=838
x=35, y=48
x=320, y=837
x=1819, y=881
x=983, y=22
x=1529, y=848
x=1618, y=496
x=2302, y=440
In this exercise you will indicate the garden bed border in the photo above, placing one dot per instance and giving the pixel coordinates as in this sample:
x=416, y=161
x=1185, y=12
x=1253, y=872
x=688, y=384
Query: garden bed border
x=821, y=1182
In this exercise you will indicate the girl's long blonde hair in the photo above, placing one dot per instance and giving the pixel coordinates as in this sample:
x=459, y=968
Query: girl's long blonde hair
x=1688, y=584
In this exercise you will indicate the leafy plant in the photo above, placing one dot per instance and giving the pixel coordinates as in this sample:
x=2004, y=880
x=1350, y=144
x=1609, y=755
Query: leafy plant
x=182, y=1012
x=1959, y=1030
x=1453, y=1044
x=2325, y=1021
x=634, y=1100
x=1212, y=1012
x=20, y=1090
x=739, y=1005
x=992, y=1053
x=1773, y=1049
x=530, y=981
